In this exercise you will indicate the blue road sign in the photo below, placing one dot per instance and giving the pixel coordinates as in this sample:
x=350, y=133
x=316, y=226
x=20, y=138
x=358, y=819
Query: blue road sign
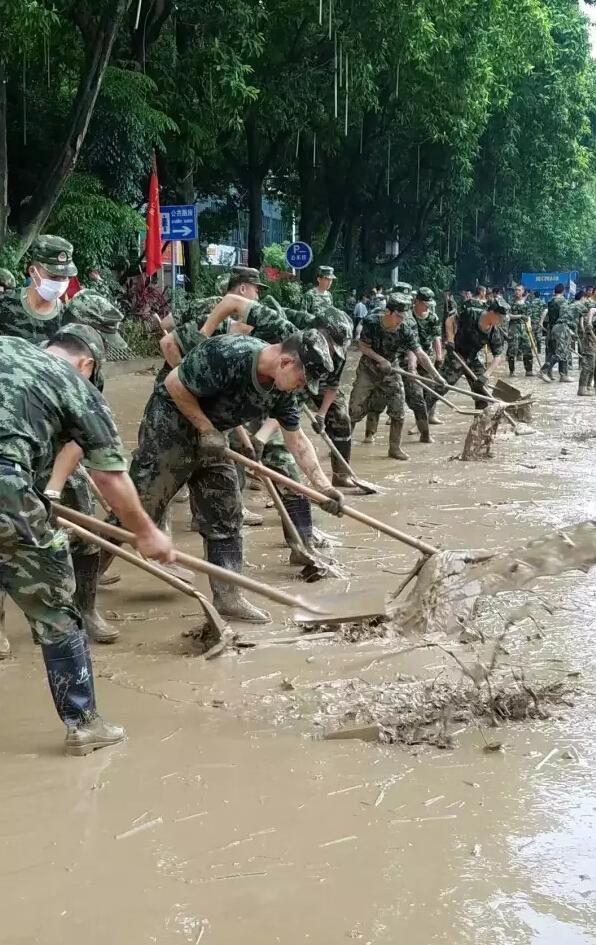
x=546, y=281
x=299, y=255
x=179, y=222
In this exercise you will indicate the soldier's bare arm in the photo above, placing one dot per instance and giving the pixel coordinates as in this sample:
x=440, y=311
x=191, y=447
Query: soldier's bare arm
x=368, y=351
x=304, y=453
x=187, y=404
x=230, y=306
x=65, y=463
x=170, y=350
x=425, y=362
x=118, y=489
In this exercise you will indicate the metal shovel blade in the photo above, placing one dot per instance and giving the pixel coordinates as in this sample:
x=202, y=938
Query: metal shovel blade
x=507, y=392
x=345, y=608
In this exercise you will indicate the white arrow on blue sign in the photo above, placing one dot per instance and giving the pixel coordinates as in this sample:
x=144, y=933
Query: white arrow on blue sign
x=299, y=255
x=179, y=222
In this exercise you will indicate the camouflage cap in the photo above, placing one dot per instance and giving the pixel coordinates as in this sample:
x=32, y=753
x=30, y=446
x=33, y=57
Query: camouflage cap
x=89, y=308
x=245, y=275
x=337, y=327
x=94, y=342
x=398, y=302
x=326, y=272
x=7, y=279
x=313, y=351
x=424, y=294
x=403, y=288
x=498, y=305
x=54, y=254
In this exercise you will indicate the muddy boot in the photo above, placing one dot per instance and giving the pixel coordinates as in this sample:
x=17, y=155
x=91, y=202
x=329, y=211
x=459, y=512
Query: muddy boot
x=70, y=676
x=395, y=450
x=583, y=391
x=545, y=376
x=432, y=416
x=372, y=425
x=511, y=363
x=529, y=366
x=227, y=599
x=107, y=580
x=425, y=436
x=340, y=477
x=564, y=379
x=299, y=509
x=250, y=518
x=86, y=569
x=182, y=495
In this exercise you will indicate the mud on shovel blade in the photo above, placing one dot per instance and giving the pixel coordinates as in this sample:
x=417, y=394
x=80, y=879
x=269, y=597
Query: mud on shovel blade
x=345, y=608
x=366, y=487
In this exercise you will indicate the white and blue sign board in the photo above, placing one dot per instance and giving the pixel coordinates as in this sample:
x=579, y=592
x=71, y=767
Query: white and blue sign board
x=299, y=255
x=179, y=222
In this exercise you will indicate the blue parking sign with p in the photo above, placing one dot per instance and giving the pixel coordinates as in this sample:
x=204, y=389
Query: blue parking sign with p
x=299, y=255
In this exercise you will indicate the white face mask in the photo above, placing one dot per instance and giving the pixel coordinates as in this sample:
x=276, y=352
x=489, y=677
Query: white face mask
x=49, y=289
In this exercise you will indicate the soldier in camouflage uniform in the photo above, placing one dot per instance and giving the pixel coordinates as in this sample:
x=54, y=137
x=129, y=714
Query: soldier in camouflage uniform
x=559, y=336
x=35, y=314
x=537, y=308
x=319, y=297
x=587, y=364
x=221, y=384
x=476, y=327
x=429, y=332
x=385, y=338
x=272, y=323
x=7, y=281
x=45, y=403
x=518, y=340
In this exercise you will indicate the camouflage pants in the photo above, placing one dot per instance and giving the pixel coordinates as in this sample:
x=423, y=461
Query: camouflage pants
x=537, y=332
x=558, y=349
x=518, y=343
x=168, y=456
x=587, y=366
x=451, y=371
x=78, y=496
x=415, y=396
x=35, y=564
x=373, y=391
x=337, y=419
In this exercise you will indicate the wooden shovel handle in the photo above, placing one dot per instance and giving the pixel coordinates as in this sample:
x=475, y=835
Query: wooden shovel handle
x=318, y=497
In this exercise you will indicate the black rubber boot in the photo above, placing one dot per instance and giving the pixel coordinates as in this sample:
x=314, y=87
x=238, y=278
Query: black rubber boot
x=511, y=363
x=227, y=599
x=340, y=477
x=299, y=509
x=70, y=675
x=424, y=430
x=529, y=365
x=395, y=450
x=432, y=416
x=86, y=569
x=372, y=425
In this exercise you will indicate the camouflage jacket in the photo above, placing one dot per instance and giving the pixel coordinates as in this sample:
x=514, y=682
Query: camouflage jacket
x=222, y=374
x=18, y=320
x=557, y=309
x=429, y=329
x=315, y=301
x=389, y=344
x=44, y=404
x=519, y=311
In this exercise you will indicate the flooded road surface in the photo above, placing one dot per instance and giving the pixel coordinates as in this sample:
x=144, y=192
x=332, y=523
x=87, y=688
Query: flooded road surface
x=222, y=820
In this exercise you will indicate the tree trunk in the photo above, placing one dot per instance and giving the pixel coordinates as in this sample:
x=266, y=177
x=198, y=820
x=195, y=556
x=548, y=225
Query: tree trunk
x=3, y=158
x=96, y=62
x=192, y=250
x=349, y=244
x=330, y=244
x=254, y=182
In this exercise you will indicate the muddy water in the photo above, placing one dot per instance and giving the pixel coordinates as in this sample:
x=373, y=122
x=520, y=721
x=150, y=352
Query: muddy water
x=222, y=820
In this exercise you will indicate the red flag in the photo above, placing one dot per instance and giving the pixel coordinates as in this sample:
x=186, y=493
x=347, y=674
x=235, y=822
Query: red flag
x=153, y=239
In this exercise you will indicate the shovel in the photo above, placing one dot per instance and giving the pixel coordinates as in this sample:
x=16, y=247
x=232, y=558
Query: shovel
x=332, y=608
x=366, y=487
x=450, y=404
x=528, y=431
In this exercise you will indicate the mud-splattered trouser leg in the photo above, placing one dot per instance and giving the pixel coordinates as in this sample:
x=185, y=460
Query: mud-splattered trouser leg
x=36, y=571
x=367, y=393
x=276, y=456
x=451, y=371
x=518, y=344
x=396, y=397
x=415, y=400
x=587, y=365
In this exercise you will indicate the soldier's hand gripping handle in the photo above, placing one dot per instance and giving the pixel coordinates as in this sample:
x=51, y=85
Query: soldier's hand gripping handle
x=153, y=543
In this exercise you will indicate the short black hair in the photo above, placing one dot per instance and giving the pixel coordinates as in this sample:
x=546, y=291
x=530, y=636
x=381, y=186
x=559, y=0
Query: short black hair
x=559, y=288
x=579, y=295
x=480, y=288
x=71, y=343
x=537, y=293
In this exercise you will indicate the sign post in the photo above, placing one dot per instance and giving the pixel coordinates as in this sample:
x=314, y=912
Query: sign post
x=299, y=255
